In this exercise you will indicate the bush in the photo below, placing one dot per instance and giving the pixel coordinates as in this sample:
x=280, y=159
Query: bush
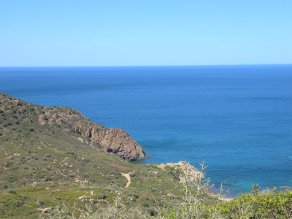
x=19, y=203
x=270, y=204
x=101, y=196
x=48, y=178
x=12, y=192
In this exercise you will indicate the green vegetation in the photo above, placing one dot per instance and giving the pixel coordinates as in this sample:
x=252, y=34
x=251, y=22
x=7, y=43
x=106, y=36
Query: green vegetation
x=45, y=170
x=47, y=165
x=271, y=204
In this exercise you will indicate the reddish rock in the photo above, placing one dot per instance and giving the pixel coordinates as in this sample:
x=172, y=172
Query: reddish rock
x=62, y=119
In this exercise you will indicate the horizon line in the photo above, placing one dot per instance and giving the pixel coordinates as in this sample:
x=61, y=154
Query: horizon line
x=135, y=66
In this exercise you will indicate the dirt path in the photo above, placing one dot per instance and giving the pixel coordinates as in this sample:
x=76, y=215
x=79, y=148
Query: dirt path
x=127, y=176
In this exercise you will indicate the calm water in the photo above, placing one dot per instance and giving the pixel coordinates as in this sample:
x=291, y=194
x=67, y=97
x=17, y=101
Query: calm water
x=237, y=119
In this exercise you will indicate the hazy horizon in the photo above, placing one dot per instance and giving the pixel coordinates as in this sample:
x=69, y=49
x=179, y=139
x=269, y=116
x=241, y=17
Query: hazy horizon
x=142, y=66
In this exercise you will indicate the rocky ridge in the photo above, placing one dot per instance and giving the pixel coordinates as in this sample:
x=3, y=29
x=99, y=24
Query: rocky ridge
x=112, y=140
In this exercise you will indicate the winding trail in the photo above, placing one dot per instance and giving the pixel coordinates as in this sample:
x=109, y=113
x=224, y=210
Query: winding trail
x=127, y=176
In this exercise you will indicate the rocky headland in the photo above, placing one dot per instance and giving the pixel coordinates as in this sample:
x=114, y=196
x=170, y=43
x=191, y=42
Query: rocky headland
x=112, y=140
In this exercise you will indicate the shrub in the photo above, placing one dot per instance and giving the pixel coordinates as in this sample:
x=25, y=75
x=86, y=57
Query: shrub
x=19, y=203
x=12, y=192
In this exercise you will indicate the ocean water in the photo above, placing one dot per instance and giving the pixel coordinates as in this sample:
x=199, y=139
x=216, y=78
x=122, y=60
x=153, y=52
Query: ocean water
x=236, y=119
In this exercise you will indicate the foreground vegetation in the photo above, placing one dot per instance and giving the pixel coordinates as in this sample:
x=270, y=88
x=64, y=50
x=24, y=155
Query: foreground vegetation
x=268, y=205
x=47, y=171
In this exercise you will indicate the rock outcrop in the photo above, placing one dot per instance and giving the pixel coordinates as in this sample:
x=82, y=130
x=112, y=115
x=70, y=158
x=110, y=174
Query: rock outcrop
x=112, y=140
x=189, y=172
x=116, y=141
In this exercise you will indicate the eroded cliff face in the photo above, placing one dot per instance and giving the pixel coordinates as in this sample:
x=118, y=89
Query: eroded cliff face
x=116, y=141
x=61, y=119
x=112, y=140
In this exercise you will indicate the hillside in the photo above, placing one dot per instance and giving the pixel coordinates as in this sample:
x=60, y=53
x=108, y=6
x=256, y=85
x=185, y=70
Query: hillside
x=70, y=123
x=52, y=155
x=53, y=159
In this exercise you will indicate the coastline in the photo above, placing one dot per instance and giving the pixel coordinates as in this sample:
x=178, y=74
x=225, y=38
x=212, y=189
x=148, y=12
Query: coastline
x=60, y=142
x=211, y=125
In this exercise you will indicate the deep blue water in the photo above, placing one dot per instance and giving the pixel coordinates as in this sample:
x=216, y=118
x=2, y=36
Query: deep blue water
x=237, y=119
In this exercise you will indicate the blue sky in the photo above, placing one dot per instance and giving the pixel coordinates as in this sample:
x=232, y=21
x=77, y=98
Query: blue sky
x=145, y=32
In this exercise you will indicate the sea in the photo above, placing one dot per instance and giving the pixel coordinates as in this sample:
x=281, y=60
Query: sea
x=237, y=120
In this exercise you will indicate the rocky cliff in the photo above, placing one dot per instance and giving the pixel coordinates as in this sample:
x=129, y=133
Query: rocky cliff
x=115, y=141
x=61, y=119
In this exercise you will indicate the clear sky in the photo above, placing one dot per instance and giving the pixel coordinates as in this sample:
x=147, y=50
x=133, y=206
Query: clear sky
x=145, y=32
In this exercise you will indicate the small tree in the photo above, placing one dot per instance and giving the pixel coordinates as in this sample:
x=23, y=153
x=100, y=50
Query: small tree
x=255, y=190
